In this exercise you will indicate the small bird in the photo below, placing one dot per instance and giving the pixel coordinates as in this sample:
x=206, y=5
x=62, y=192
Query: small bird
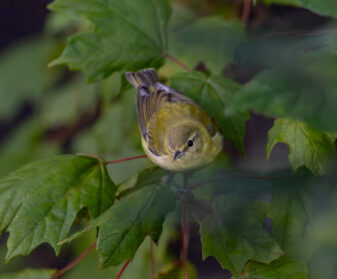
x=177, y=134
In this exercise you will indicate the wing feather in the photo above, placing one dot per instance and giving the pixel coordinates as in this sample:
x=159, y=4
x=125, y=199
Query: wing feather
x=149, y=103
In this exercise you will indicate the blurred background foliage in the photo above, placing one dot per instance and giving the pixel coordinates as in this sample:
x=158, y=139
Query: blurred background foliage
x=285, y=56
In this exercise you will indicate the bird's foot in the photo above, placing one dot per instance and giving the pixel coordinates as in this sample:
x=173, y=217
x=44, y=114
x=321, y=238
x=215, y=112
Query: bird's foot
x=178, y=191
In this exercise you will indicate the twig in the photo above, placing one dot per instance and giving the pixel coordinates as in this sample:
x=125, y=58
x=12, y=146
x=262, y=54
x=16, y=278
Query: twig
x=125, y=159
x=183, y=232
x=153, y=274
x=196, y=185
x=178, y=62
x=74, y=262
x=123, y=269
x=246, y=11
x=184, y=227
x=299, y=33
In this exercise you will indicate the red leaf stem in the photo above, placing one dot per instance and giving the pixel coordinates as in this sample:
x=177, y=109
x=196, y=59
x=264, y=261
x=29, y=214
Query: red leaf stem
x=123, y=269
x=125, y=159
x=178, y=62
x=74, y=262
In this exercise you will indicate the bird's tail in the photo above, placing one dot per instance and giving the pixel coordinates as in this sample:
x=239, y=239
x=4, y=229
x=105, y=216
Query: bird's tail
x=144, y=78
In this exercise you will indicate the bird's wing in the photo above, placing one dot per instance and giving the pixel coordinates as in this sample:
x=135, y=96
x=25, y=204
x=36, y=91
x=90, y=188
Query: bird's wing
x=149, y=101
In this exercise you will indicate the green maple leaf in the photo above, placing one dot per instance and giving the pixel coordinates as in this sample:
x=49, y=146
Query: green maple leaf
x=234, y=234
x=308, y=147
x=213, y=93
x=289, y=214
x=282, y=268
x=39, y=201
x=123, y=227
x=128, y=35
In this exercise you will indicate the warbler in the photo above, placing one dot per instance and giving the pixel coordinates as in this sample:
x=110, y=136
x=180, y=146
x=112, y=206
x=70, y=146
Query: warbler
x=177, y=134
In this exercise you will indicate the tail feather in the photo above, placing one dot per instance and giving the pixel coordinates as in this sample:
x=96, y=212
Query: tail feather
x=143, y=78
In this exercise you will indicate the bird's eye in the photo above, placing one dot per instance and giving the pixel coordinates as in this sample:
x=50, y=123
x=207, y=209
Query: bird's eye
x=190, y=143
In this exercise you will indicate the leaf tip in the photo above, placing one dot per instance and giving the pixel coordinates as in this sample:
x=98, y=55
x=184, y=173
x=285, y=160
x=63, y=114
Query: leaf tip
x=55, y=62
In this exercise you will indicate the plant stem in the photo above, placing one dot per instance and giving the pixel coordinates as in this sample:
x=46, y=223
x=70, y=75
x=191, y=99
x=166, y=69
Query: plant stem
x=246, y=11
x=184, y=226
x=123, y=269
x=196, y=185
x=178, y=62
x=183, y=233
x=153, y=274
x=74, y=262
x=125, y=159
x=299, y=33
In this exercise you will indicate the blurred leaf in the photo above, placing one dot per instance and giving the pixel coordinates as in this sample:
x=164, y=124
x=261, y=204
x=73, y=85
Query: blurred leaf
x=128, y=35
x=111, y=87
x=213, y=93
x=211, y=40
x=66, y=104
x=30, y=274
x=302, y=87
x=45, y=196
x=24, y=75
x=115, y=135
x=24, y=145
x=124, y=226
x=320, y=232
x=177, y=271
x=322, y=7
x=234, y=234
x=323, y=263
x=281, y=268
x=115, y=131
x=307, y=146
x=290, y=214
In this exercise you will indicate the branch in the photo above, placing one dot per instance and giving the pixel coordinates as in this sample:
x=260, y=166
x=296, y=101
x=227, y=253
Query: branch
x=74, y=262
x=196, y=185
x=246, y=11
x=125, y=159
x=184, y=226
x=123, y=269
x=299, y=33
x=183, y=232
x=178, y=62
x=153, y=274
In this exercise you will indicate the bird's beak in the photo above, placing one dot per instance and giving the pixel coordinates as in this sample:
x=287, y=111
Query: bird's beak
x=177, y=155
